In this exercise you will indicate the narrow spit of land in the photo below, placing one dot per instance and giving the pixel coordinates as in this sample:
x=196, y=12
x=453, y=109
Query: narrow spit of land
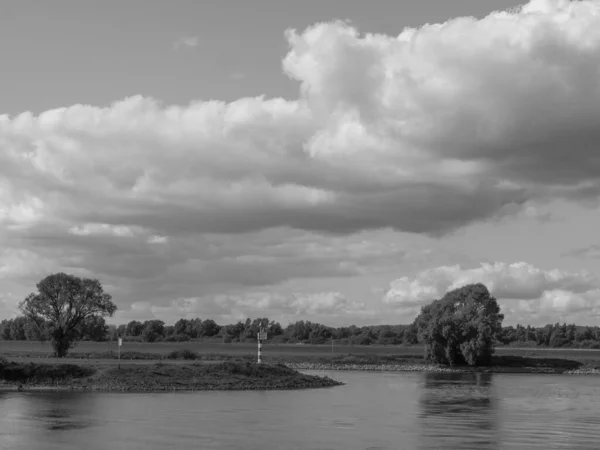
x=154, y=377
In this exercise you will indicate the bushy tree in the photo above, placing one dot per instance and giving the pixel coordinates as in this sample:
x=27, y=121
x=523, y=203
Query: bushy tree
x=63, y=303
x=134, y=328
x=153, y=330
x=94, y=328
x=461, y=327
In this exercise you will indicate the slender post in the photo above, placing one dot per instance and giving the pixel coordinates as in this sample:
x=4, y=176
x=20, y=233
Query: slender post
x=119, y=352
x=259, y=348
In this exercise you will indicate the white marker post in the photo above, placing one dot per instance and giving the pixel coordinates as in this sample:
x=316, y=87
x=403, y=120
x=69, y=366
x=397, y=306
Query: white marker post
x=262, y=336
x=119, y=352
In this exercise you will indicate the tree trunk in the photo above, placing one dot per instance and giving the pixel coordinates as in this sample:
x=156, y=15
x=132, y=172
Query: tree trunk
x=60, y=343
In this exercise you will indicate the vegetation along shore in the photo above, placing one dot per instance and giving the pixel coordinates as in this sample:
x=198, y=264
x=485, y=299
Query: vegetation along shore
x=460, y=332
x=155, y=377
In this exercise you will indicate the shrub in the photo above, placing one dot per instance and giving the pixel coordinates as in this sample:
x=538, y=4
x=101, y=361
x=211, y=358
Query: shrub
x=176, y=338
x=41, y=373
x=182, y=354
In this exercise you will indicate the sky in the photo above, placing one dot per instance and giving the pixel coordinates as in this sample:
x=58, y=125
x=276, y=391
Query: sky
x=342, y=162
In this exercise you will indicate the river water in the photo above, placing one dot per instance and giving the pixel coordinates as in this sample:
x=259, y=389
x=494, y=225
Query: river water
x=372, y=411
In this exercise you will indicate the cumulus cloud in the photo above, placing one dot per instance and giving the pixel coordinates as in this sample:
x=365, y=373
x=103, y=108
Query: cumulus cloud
x=527, y=292
x=328, y=307
x=425, y=132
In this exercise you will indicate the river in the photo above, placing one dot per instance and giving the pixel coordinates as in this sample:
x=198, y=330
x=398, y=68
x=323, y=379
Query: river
x=372, y=411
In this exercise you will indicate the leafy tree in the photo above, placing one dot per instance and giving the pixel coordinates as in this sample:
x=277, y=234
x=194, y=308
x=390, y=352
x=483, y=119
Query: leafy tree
x=5, y=330
x=410, y=334
x=181, y=326
x=462, y=327
x=64, y=302
x=209, y=328
x=33, y=332
x=112, y=333
x=153, y=330
x=134, y=328
x=17, y=328
x=94, y=328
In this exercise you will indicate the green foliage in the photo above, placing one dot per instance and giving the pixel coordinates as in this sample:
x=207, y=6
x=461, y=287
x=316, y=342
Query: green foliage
x=462, y=327
x=182, y=354
x=176, y=338
x=63, y=304
x=42, y=373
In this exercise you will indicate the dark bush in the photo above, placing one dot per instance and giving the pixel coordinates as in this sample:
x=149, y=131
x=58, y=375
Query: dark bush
x=41, y=373
x=176, y=338
x=182, y=354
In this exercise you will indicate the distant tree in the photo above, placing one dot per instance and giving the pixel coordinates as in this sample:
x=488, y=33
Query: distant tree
x=209, y=328
x=5, y=330
x=112, y=333
x=275, y=328
x=94, y=328
x=410, y=334
x=153, y=330
x=134, y=328
x=122, y=330
x=35, y=332
x=181, y=326
x=64, y=302
x=462, y=327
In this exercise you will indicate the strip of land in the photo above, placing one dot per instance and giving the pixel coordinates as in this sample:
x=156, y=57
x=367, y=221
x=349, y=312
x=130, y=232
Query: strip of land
x=218, y=366
x=154, y=377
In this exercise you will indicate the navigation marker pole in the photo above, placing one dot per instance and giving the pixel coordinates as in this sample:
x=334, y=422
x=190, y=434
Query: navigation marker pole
x=259, y=350
x=262, y=336
x=119, y=352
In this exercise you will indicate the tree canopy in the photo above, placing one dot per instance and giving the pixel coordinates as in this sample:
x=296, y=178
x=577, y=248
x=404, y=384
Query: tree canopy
x=65, y=305
x=462, y=327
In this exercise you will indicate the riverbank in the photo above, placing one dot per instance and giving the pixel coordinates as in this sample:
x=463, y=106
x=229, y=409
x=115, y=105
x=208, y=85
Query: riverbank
x=583, y=370
x=157, y=377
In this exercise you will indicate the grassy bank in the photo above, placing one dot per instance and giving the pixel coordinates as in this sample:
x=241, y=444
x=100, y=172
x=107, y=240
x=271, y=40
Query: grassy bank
x=152, y=377
x=405, y=358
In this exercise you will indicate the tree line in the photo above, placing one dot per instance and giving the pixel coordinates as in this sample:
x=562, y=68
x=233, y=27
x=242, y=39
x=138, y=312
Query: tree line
x=463, y=326
x=96, y=329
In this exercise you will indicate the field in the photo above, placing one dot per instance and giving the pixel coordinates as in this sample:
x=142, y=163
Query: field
x=215, y=351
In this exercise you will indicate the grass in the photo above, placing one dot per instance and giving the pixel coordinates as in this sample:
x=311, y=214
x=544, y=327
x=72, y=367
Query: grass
x=42, y=373
x=277, y=353
x=160, y=376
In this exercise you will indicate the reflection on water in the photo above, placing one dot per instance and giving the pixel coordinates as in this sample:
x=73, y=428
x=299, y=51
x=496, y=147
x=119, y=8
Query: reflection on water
x=373, y=410
x=459, y=410
x=44, y=416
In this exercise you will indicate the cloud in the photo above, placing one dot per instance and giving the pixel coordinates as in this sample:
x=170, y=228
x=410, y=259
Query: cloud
x=525, y=291
x=322, y=307
x=424, y=132
x=590, y=252
x=186, y=42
